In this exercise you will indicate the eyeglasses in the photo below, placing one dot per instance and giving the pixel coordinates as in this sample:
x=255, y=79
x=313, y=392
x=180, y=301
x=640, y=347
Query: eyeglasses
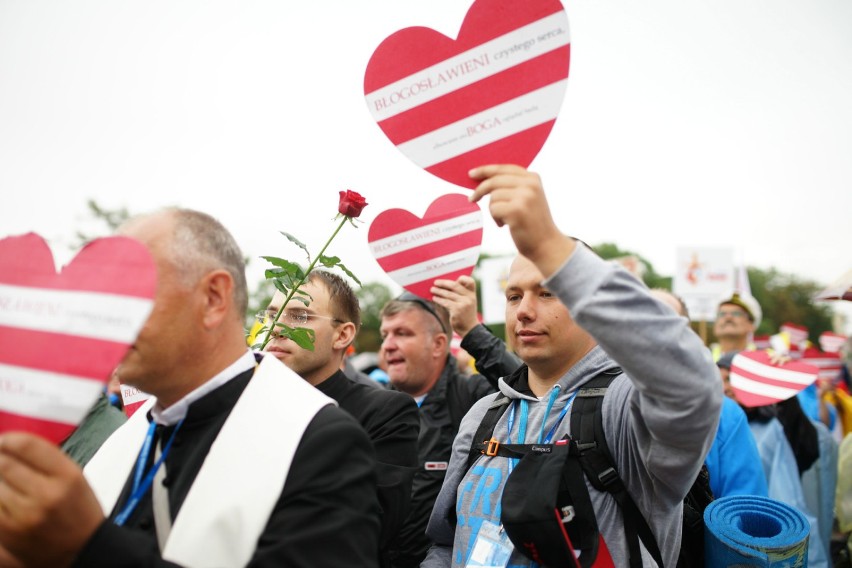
x=425, y=304
x=291, y=317
x=731, y=313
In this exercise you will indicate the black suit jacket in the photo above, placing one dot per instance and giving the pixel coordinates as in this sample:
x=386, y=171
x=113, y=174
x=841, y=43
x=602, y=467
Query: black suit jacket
x=326, y=515
x=440, y=415
x=392, y=422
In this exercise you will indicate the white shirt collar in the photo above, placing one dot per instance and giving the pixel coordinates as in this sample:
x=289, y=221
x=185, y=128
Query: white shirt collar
x=177, y=412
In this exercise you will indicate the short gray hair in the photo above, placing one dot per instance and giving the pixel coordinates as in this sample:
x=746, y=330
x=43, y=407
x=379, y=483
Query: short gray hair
x=199, y=244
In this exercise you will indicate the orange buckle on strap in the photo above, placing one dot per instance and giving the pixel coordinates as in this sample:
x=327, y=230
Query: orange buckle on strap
x=491, y=450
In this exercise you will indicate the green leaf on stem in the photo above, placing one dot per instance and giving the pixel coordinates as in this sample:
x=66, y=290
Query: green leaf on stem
x=298, y=243
x=287, y=266
x=280, y=286
x=329, y=261
x=348, y=273
x=301, y=336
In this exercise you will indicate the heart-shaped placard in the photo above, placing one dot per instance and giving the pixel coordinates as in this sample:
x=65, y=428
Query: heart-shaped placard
x=757, y=382
x=489, y=97
x=61, y=335
x=829, y=364
x=832, y=342
x=414, y=252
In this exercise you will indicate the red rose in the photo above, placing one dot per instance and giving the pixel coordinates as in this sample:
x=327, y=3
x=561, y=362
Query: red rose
x=351, y=203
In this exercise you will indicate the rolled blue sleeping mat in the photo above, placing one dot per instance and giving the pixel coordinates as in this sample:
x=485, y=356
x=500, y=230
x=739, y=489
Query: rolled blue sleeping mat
x=754, y=531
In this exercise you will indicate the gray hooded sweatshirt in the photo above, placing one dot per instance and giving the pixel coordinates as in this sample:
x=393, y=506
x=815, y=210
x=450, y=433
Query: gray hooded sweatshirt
x=659, y=417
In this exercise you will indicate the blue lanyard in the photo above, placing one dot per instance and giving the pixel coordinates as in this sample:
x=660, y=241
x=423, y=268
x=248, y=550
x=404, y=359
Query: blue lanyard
x=562, y=414
x=142, y=481
x=510, y=422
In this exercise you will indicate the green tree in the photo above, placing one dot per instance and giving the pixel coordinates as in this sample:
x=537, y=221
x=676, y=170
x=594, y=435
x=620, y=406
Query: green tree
x=652, y=279
x=372, y=296
x=111, y=218
x=786, y=298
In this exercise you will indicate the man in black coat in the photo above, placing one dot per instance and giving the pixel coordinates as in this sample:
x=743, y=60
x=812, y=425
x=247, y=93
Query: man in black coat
x=416, y=337
x=390, y=418
x=221, y=504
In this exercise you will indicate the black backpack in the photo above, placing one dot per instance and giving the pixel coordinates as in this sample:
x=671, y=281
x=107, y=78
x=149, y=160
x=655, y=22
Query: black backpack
x=589, y=445
x=587, y=430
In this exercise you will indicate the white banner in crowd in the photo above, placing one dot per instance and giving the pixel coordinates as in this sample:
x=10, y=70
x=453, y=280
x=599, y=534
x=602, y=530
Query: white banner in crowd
x=703, y=277
x=493, y=273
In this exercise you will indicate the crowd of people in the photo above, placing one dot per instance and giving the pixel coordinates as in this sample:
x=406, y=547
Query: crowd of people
x=289, y=457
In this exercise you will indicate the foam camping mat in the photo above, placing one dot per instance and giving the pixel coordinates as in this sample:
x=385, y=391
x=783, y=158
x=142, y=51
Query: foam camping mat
x=754, y=531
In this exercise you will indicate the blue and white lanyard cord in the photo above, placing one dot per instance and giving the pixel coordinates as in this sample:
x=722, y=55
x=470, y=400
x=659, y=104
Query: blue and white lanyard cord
x=142, y=481
x=522, y=427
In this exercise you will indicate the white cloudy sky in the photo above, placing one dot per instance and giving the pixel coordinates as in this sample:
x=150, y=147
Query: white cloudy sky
x=714, y=123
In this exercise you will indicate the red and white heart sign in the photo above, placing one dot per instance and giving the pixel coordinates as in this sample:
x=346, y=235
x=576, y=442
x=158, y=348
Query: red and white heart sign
x=491, y=96
x=798, y=333
x=757, y=382
x=831, y=342
x=829, y=364
x=62, y=335
x=132, y=399
x=445, y=243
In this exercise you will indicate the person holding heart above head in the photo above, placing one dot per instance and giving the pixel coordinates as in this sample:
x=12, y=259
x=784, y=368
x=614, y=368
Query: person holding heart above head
x=234, y=461
x=584, y=328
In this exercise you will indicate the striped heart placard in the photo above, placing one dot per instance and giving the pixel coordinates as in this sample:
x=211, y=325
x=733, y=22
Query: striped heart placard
x=831, y=342
x=829, y=364
x=798, y=334
x=132, y=399
x=63, y=334
x=489, y=96
x=757, y=382
x=414, y=251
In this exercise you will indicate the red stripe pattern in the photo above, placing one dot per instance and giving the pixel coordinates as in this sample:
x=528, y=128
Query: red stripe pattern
x=412, y=50
x=398, y=256
x=757, y=382
x=114, y=266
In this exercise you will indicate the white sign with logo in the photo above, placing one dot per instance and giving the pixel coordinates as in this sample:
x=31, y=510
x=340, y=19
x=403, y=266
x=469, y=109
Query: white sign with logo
x=493, y=274
x=703, y=276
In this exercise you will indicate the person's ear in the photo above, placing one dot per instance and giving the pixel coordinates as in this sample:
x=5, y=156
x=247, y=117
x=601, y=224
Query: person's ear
x=439, y=345
x=218, y=290
x=344, y=334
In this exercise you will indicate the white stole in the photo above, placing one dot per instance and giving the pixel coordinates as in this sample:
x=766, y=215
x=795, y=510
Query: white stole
x=242, y=477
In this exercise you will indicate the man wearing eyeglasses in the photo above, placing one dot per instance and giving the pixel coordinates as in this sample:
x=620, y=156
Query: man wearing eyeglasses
x=736, y=321
x=389, y=418
x=416, y=337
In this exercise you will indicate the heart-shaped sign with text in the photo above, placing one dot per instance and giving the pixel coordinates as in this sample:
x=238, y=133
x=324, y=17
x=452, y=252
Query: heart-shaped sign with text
x=62, y=335
x=491, y=96
x=829, y=364
x=414, y=252
x=757, y=382
x=832, y=342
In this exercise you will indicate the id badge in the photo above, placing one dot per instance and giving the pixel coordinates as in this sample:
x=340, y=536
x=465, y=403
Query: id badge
x=492, y=548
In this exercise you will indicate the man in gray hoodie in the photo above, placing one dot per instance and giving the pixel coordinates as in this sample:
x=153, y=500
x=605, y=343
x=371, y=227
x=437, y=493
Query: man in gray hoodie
x=571, y=316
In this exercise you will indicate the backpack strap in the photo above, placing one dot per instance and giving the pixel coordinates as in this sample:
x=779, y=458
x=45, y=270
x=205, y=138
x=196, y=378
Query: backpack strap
x=599, y=467
x=483, y=440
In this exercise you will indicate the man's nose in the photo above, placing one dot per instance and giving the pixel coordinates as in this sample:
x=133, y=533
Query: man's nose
x=388, y=344
x=526, y=309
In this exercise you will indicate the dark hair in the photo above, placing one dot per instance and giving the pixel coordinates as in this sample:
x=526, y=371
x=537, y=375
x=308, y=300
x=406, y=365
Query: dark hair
x=342, y=299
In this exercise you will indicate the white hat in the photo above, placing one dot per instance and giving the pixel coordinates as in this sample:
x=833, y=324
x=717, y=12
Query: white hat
x=749, y=304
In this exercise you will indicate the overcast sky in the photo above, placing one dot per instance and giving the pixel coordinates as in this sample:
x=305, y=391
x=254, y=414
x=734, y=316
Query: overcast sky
x=715, y=123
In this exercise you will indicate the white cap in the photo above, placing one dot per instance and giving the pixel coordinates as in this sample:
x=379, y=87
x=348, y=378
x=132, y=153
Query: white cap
x=749, y=304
